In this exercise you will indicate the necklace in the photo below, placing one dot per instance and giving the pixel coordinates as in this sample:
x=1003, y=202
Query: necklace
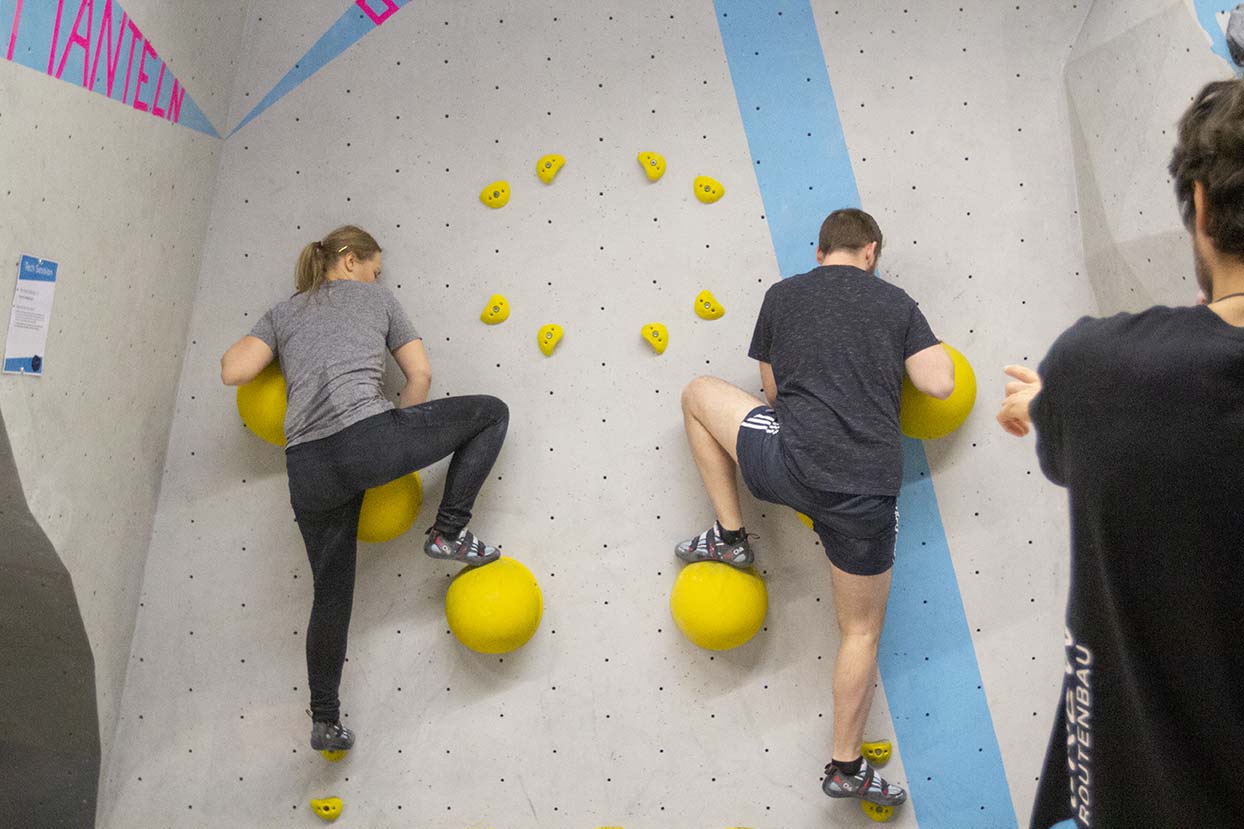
x=1228, y=296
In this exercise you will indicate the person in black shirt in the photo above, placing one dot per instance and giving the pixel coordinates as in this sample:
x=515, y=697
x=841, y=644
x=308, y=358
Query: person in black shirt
x=1141, y=418
x=832, y=345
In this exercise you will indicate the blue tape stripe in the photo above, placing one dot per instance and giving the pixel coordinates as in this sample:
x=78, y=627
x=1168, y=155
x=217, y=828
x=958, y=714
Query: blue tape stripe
x=348, y=30
x=928, y=663
x=1207, y=15
x=33, y=43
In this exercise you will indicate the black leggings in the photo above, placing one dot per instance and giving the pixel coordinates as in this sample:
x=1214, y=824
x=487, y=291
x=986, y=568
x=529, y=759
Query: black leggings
x=327, y=479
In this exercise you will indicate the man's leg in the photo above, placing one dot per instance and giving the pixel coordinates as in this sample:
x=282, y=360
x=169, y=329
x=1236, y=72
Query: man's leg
x=861, y=603
x=712, y=411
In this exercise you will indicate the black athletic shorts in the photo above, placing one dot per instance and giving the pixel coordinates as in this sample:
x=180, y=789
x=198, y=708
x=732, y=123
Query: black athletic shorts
x=857, y=531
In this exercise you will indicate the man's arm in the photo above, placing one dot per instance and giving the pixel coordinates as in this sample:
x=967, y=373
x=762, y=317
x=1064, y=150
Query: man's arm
x=932, y=371
x=768, y=383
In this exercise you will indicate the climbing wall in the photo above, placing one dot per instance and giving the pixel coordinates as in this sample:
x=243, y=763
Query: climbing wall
x=1136, y=249
x=394, y=117
x=119, y=196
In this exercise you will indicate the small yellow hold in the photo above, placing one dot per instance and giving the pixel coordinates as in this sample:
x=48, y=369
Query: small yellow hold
x=806, y=520
x=548, y=165
x=707, y=307
x=708, y=190
x=496, y=311
x=876, y=812
x=496, y=195
x=548, y=338
x=653, y=164
x=877, y=753
x=333, y=756
x=329, y=808
x=656, y=335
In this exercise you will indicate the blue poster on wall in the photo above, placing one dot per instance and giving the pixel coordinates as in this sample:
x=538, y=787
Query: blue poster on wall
x=30, y=317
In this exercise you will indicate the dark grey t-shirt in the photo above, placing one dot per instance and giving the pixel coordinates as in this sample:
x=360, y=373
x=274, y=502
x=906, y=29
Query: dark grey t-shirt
x=1142, y=419
x=332, y=346
x=837, y=337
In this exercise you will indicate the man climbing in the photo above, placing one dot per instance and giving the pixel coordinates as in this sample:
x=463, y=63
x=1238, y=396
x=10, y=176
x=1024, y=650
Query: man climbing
x=832, y=344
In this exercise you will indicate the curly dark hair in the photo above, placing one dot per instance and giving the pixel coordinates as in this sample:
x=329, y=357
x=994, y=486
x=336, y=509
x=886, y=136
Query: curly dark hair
x=1211, y=150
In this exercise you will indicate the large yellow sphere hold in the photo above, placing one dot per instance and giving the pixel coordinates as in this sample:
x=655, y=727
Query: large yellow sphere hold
x=926, y=418
x=261, y=402
x=495, y=608
x=718, y=607
x=390, y=509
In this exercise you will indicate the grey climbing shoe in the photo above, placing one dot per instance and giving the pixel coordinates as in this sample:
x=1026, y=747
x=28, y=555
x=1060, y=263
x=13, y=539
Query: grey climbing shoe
x=709, y=546
x=866, y=785
x=464, y=547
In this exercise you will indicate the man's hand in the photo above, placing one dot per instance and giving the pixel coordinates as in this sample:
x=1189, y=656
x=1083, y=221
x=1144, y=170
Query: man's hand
x=1014, y=416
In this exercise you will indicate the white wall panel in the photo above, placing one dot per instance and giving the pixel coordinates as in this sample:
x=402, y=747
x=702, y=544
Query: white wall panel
x=121, y=201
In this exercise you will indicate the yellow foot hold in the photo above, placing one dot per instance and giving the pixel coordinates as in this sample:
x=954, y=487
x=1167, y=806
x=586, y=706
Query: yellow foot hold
x=881, y=814
x=496, y=195
x=548, y=165
x=548, y=338
x=333, y=756
x=708, y=190
x=806, y=520
x=496, y=311
x=653, y=164
x=707, y=307
x=328, y=808
x=657, y=336
x=877, y=753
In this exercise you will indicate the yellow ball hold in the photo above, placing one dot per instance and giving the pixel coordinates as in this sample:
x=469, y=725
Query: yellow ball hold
x=653, y=164
x=496, y=311
x=718, y=607
x=495, y=608
x=927, y=418
x=548, y=337
x=707, y=307
x=261, y=402
x=329, y=808
x=390, y=509
x=877, y=753
x=496, y=195
x=877, y=813
x=806, y=520
x=656, y=335
x=708, y=190
x=548, y=165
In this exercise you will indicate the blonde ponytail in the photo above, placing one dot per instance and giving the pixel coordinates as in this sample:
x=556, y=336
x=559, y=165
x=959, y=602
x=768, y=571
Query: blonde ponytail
x=318, y=257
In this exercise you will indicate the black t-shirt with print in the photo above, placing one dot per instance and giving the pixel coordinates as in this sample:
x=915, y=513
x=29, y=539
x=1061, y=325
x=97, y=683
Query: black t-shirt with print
x=1142, y=419
x=837, y=337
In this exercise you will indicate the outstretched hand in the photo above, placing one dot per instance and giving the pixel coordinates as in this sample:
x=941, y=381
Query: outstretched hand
x=1014, y=415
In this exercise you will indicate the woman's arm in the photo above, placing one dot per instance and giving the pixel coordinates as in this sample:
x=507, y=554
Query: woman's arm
x=412, y=359
x=244, y=360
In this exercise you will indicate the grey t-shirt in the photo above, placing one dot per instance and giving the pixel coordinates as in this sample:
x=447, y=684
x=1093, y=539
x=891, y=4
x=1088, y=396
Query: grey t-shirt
x=837, y=338
x=332, y=344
